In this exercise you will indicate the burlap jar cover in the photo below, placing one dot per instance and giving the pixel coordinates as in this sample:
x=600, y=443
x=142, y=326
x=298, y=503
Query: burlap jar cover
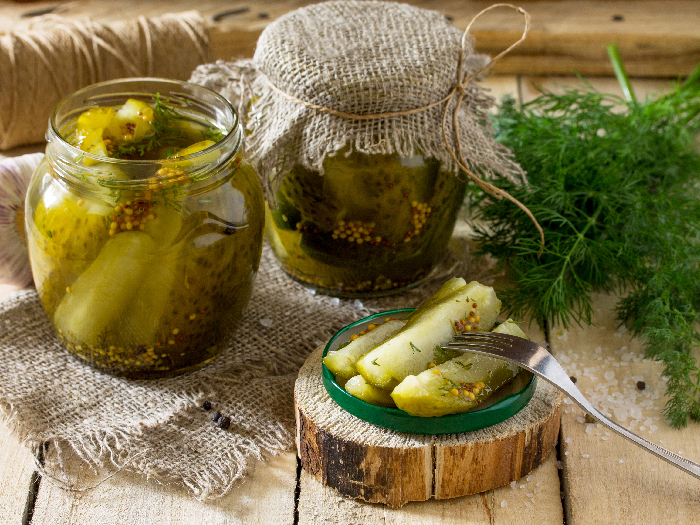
x=58, y=405
x=379, y=77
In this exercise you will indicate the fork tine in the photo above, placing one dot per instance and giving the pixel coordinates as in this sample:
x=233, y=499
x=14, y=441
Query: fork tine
x=464, y=345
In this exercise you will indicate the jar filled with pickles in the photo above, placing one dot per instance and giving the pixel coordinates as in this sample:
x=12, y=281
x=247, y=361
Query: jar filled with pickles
x=353, y=130
x=370, y=225
x=144, y=226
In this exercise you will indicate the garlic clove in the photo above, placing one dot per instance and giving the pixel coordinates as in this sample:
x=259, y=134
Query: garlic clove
x=15, y=174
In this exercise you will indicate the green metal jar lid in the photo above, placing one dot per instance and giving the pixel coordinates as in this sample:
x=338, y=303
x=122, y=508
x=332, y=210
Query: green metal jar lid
x=395, y=419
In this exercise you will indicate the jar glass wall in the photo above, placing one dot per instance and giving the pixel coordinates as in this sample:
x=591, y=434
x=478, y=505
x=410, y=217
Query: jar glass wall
x=370, y=225
x=144, y=260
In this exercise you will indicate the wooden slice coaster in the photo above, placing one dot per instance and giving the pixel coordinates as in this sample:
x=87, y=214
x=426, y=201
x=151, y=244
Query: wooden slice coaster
x=377, y=465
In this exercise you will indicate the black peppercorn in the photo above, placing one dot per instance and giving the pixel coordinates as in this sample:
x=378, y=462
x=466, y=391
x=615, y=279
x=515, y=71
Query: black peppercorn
x=641, y=385
x=206, y=405
x=224, y=422
x=573, y=379
x=215, y=417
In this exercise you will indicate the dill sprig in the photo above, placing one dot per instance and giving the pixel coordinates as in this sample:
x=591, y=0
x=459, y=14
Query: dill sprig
x=166, y=133
x=613, y=182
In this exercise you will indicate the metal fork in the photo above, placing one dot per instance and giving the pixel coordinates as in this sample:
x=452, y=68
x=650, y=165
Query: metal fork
x=536, y=359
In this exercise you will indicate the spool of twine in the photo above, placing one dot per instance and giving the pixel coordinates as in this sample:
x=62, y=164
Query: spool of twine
x=40, y=66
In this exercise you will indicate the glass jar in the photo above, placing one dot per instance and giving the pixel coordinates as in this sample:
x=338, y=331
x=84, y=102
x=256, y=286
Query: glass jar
x=145, y=263
x=370, y=225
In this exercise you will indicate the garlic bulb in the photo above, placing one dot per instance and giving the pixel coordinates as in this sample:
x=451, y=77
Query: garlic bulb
x=15, y=174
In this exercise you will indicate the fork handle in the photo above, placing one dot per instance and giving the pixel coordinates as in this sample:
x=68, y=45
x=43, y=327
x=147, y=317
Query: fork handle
x=556, y=372
x=679, y=461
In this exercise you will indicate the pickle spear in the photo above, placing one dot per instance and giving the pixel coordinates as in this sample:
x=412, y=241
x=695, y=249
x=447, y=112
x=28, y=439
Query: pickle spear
x=142, y=322
x=105, y=289
x=446, y=289
x=361, y=389
x=342, y=361
x=410, y=351
x=457, y=385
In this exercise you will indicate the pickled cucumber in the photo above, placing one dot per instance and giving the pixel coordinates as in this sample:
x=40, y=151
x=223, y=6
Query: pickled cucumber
x=446, y=289
x=106, y=289
x=371, y=224
x=68, y=232
x=342, y=361
x=410, y=350
x=143, y=322
x=458, y=385
x=361, y=389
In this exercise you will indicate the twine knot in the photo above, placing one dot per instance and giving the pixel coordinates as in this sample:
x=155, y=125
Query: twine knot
x=460, y=88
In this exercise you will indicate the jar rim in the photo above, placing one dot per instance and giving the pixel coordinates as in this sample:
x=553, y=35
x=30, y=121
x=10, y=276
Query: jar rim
x=187, y=95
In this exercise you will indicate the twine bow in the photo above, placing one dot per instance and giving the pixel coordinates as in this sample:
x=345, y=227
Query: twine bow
x=457, y=94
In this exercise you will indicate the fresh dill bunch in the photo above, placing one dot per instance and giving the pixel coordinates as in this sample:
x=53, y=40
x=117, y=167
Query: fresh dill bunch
x=613, y=183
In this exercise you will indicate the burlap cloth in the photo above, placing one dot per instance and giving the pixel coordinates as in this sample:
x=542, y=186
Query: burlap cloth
x=57, y=405
x=361, y=58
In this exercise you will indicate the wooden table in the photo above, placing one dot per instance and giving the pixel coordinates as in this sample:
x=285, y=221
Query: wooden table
x=593, y=477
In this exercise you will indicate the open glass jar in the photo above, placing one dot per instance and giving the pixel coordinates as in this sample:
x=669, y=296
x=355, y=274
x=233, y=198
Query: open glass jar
x=144, y=244
x=370, y=225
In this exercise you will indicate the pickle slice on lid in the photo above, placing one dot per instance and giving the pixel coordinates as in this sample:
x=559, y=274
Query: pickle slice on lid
x=457, y=385
x=410, y=350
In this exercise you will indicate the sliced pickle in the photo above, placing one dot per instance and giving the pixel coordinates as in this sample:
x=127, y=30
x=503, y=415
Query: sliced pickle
x=361, y=389
x=410, y=351
x=142, y=323
x=105, y=289
x=165, y=226
x=446, y=289
x=457, y=385
x=342, y=361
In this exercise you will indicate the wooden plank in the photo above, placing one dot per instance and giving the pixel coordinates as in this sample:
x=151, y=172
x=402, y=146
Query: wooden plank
x=531, y=86
x=267, y=496
x=657, y=38
x=598, y=463
x=16, y=476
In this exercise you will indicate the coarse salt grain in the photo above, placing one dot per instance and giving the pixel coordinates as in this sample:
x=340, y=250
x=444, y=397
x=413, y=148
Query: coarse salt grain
x=311, y=291
x=621, y=461
x=503, y=503
x=569, y=440
x=586, y=456
x=335, y=301
x=358, y=304
x=513, y=484
x=567, y=452
x=267, y=323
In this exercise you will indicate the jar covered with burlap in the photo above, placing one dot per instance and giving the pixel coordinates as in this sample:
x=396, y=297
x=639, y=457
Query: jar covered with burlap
x=144, y=225
x=364, y=124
